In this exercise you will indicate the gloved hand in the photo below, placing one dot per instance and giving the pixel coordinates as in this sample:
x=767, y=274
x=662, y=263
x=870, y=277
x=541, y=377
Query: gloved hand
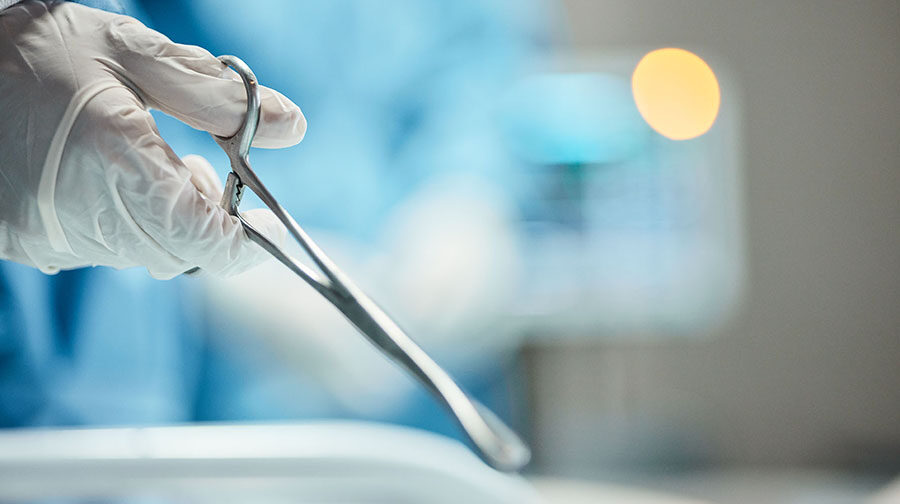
x=85, y=178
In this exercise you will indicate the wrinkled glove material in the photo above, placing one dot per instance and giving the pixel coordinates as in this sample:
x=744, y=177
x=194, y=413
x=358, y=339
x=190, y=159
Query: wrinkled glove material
x=85, y=178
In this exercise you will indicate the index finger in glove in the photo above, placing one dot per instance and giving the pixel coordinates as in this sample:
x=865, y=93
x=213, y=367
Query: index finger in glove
x=189, y=83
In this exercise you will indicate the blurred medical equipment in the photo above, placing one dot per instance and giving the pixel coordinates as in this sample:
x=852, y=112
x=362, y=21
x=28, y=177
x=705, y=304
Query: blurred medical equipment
x=494, y=441
x=634, y=238
x=314, y=462
x=630, y=234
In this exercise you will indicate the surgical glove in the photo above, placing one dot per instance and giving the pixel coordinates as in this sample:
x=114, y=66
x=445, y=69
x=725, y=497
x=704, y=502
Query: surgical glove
x=85, y=178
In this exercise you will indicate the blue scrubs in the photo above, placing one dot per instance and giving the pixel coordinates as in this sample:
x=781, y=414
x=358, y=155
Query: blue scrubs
x=95, y=346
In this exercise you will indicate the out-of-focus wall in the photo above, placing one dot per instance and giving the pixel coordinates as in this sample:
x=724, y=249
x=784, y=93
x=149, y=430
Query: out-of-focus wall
x=808, y=372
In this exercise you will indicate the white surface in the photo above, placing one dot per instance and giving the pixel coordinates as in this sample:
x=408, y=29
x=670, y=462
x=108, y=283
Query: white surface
x=888, y=495
x=316, y=462
x=738, y=486
x=764, y=485
x=559, y=491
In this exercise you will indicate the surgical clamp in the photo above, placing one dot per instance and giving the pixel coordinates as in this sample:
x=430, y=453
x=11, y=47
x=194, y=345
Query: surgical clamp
x=496, y=443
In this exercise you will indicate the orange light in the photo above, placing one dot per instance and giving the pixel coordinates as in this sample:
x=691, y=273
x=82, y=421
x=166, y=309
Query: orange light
x=676, y=92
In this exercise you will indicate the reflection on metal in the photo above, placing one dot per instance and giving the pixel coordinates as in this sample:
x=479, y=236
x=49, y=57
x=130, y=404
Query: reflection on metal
x=498, y=445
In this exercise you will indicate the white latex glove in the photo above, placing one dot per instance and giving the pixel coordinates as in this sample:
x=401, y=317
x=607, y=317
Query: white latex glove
x=85, y=178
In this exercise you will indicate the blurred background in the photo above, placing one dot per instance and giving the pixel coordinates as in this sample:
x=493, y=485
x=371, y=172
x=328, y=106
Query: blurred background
x=700, y=298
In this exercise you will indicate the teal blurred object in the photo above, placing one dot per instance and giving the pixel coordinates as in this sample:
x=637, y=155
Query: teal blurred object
x=629, y=233
x=573, y=118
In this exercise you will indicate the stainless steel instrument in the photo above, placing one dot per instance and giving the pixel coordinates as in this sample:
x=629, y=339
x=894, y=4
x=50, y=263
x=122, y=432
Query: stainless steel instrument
x=496, y=443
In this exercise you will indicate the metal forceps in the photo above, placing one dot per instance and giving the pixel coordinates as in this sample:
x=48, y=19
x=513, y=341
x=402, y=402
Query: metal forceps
x=496, y=443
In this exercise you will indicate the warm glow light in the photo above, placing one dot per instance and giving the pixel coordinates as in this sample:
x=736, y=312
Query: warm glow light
x=676, y=92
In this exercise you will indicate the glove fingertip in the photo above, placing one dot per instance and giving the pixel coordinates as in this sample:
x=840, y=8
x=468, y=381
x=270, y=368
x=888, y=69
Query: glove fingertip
x=281, y=124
